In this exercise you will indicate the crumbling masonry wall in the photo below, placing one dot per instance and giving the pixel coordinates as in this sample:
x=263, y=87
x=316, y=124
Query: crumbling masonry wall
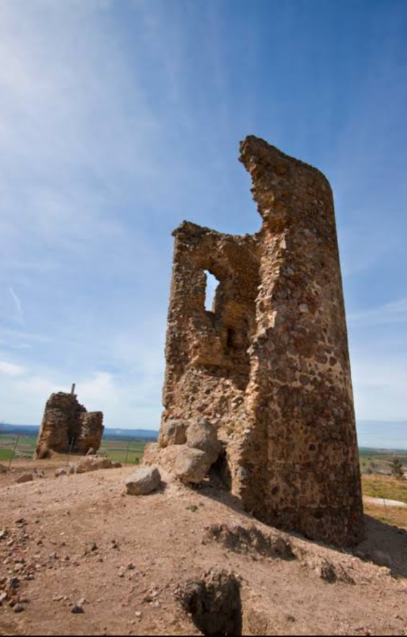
x=269, y=365
x=67, y=427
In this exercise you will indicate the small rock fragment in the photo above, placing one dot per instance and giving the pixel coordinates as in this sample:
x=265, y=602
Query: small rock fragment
x=26, y=477
x=92, y=463
x=62, y=471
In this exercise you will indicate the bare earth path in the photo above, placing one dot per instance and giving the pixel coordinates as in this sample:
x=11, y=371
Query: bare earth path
x=383, y=502
x=80, y=538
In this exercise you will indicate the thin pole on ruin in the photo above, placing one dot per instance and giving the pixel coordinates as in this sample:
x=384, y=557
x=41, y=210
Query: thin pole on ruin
x=73, y=389
x=71, y=446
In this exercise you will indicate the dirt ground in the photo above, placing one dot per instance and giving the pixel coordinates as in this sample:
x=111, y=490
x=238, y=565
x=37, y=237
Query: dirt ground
x=81, y=540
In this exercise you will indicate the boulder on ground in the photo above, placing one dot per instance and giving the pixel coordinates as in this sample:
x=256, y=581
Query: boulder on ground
x=203, y=435
x=143, y=481
x=3, y=469
x=92, y=463
x=26, y=477
x=173, y=432
x=192, y=465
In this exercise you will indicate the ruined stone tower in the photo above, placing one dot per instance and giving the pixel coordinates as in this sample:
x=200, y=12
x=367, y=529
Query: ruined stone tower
x=68, y=428
x=269, y=365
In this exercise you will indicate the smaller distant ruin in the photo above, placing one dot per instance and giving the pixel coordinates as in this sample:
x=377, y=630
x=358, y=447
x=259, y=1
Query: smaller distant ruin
x=67, y=427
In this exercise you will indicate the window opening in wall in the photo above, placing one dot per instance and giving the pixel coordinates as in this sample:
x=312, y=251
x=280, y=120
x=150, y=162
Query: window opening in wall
x=211, y=287
x=230, y=341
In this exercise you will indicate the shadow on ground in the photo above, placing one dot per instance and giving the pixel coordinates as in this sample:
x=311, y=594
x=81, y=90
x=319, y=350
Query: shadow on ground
x=384, y=544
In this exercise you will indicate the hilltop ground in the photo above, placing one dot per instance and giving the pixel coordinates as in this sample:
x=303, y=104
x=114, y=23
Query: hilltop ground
x=79, y=539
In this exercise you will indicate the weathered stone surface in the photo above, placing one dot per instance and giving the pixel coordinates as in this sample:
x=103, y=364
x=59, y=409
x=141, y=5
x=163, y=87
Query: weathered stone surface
x=164, y=457
x=192, y=465
x=204, y=436
x=91, y=432
x=92, y=463
x=173, y=432
x=143, y=481
x=68, y=428
x=269, y=364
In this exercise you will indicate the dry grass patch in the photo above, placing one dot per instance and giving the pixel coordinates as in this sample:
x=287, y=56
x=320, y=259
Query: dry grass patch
x=389, y=489
x=385, y=487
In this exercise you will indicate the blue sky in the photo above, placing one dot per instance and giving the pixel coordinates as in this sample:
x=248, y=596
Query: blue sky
x=121, y=118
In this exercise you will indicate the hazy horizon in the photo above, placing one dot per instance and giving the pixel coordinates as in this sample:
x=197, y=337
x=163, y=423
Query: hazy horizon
x=371, y=434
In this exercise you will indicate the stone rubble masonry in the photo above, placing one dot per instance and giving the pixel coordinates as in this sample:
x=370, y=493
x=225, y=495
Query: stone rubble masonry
x=68, y=427
x=269, y=364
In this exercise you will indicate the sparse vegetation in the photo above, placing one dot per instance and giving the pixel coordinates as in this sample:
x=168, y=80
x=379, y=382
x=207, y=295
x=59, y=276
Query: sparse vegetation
x=387, y=515
x=379, y=462
x=388, y=488
x=397, y=469
x=385, y=487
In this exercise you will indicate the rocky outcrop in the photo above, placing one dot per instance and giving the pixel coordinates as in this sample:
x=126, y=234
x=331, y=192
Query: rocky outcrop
x=67, y=427
x=251, y=540
x=191, y=459
x=268, y=364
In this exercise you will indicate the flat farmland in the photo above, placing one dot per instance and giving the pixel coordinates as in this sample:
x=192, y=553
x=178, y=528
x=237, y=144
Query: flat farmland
x=126, y=451
x=18, y=447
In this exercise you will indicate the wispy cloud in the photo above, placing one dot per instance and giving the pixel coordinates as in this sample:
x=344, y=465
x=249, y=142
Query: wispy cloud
x=10, y=369
x=19, y=315
x=388, y=314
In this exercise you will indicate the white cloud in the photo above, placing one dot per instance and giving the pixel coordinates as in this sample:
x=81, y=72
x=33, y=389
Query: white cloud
x=10, y=369
x=123, y=400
